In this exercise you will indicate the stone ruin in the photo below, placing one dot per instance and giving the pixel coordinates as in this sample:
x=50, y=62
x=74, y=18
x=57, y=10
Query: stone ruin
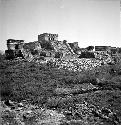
x=107, y=53
x=48, y=46
x=14, y=48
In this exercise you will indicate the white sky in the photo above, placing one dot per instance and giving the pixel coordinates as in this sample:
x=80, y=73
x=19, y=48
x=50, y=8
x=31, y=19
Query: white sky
x=89, y=22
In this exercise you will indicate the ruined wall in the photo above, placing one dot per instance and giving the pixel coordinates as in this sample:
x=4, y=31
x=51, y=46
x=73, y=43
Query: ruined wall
x=14, y=44
x=14, y=48
x=11, y=44
x=77, y=64
x=49, y=46
x=106, y=53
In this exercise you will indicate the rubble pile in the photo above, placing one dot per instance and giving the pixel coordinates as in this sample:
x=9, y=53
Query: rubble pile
x=27, y=55
x=78, y=64
x=74, y=64
x=104, y=56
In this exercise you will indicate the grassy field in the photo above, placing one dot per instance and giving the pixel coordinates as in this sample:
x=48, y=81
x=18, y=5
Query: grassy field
x=52, y=87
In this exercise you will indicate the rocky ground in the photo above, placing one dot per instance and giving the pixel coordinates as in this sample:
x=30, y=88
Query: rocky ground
x=71, y=110
x=34, y=94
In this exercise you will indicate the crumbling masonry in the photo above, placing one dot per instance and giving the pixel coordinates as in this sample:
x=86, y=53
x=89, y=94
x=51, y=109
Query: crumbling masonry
x=49, y=46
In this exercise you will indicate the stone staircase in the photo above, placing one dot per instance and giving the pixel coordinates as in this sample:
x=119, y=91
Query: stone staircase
x=62, y=47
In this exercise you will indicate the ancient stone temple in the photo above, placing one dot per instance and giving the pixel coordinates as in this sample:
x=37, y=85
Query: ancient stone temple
x=50, y=42
x=48, y=37
x=47, y=45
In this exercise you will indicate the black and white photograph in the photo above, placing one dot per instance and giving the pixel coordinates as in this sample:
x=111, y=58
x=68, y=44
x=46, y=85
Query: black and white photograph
x=60, y=62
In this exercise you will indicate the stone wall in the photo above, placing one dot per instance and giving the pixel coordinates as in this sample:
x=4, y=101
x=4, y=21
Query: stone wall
x=14, y=44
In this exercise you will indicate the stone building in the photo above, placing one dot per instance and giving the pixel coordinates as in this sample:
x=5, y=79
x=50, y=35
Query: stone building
x=14, y=48
x=48, y=37
x=102, y=48
x=14, y=44
x=115, y=54
x=47, y=45
x=103, y=53
x=50, y=42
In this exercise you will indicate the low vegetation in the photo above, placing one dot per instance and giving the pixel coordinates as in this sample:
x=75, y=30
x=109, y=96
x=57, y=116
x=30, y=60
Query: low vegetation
x=21, y=80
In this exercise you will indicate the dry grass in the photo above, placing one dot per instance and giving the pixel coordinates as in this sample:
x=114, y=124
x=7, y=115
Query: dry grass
x=24, y=80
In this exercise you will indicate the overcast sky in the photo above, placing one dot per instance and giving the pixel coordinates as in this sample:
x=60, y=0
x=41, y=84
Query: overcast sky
x=89, y=22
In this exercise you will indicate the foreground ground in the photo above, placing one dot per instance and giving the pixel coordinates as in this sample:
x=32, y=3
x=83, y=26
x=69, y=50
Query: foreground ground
x=44, y=95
